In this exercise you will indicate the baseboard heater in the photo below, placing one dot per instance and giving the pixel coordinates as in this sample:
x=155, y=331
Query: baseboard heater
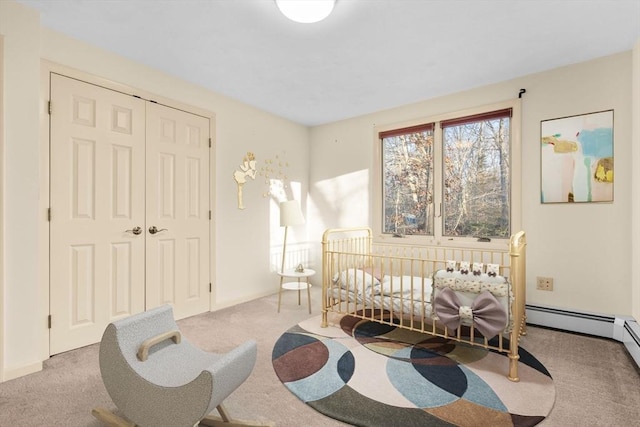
x=620, y=328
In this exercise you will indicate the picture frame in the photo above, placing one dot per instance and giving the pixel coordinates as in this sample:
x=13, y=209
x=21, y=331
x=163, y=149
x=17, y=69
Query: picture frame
x=576, y=158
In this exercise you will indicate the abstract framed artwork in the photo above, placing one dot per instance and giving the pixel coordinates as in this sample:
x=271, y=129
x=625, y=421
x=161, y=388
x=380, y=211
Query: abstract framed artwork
x=577, y=158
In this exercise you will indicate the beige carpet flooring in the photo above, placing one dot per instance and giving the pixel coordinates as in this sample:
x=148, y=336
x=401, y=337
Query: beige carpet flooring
x=597, y=383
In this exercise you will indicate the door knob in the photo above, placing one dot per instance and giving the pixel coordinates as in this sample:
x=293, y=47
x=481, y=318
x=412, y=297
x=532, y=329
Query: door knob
x=153, y=229
x=135, y=230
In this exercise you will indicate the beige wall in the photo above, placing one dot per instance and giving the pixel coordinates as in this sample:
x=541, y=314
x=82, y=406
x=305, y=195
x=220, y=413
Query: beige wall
x=635, y=182
x=1, y=206
x=243, y=237
x=584, y=247
x=23, y=321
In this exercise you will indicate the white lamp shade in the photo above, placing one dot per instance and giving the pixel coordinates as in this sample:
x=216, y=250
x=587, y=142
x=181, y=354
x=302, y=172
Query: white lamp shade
x=290, y=213
x=305, y=11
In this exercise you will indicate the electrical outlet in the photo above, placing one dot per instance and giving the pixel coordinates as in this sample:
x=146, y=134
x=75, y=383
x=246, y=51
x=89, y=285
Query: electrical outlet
x=544, y=283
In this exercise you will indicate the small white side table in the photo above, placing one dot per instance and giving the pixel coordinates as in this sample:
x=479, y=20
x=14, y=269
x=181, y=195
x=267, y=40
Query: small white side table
x=296, y=286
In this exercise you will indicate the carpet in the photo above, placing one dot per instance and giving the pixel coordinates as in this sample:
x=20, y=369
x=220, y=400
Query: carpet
x=367, y=374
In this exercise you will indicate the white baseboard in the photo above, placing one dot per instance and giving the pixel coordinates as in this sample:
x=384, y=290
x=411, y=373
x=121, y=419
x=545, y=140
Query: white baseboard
x=631, y=339
x=13, y=373
x=619, y=328
x=585, y=323
x=219, y=305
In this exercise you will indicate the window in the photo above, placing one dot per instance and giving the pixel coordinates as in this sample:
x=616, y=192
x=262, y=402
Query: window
x=476, y=175
x=452, y=177
x=407, y=156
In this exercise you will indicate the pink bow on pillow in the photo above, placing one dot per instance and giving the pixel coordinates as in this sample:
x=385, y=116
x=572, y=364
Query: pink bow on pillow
x=486, y=312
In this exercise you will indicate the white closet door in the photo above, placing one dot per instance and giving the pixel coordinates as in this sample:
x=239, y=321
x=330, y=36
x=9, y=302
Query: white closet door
x=177, y=200
x=97, y=267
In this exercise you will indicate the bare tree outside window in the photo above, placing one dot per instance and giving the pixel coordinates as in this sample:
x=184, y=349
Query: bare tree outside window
x=473, y=197
x=408, y=182
x=477, y=179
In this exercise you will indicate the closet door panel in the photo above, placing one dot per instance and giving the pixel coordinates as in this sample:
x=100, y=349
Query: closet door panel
x=97, y=270
x=178, y=207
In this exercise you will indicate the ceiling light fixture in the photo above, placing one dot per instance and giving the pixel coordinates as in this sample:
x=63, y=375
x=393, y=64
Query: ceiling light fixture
x=306, y=11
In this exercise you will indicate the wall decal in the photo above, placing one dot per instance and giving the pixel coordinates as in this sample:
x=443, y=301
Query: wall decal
x=247, y=170
x=275, y=176
x=577, y=158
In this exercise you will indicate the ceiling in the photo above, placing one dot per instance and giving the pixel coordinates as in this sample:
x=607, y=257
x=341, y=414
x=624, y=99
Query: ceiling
x=368, y=55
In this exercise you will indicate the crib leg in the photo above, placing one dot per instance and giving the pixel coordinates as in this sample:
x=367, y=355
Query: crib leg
x=513, y=367
x=514, y=356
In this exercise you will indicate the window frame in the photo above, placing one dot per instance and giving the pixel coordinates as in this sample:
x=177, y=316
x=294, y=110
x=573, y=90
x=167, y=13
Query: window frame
x=424, y=127
x=438, y=227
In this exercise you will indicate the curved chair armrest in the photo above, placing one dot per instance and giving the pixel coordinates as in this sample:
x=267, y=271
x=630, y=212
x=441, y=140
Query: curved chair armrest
x=143, y=351
x=231, y=370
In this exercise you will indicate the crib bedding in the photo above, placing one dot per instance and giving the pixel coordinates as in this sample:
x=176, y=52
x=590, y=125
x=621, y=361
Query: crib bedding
x=401, y=295
x=359, y=280
x=468, y=287
x=445, y=288
x=412, y=295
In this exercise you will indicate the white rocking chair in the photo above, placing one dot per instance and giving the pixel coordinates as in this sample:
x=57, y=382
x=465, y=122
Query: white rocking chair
x=157, y=378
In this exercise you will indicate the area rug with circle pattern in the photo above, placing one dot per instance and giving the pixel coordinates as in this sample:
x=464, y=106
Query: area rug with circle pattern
x=368, y=374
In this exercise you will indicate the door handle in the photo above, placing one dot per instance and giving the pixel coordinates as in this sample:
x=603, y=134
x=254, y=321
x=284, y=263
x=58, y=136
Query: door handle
x=135, y=230
x=153, y=229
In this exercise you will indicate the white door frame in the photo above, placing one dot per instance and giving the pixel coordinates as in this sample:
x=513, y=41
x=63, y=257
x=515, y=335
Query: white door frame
x=2, y=322
x=46, y=69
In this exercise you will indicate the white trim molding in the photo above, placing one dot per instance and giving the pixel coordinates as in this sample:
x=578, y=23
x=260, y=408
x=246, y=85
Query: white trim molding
x=620, y=328
x=21, y=371
x=631, y=339
x=2, y=179
x=635, y=181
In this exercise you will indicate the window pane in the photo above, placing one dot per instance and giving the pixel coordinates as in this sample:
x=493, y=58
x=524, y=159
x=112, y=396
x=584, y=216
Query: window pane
x=407, y=162
x=477, y=179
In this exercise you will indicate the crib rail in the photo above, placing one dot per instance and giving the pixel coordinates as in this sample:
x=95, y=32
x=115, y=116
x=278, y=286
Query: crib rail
x=401, y=302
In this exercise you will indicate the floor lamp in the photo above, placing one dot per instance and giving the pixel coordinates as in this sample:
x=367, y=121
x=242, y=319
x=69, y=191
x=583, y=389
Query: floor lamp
x=290, y=214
